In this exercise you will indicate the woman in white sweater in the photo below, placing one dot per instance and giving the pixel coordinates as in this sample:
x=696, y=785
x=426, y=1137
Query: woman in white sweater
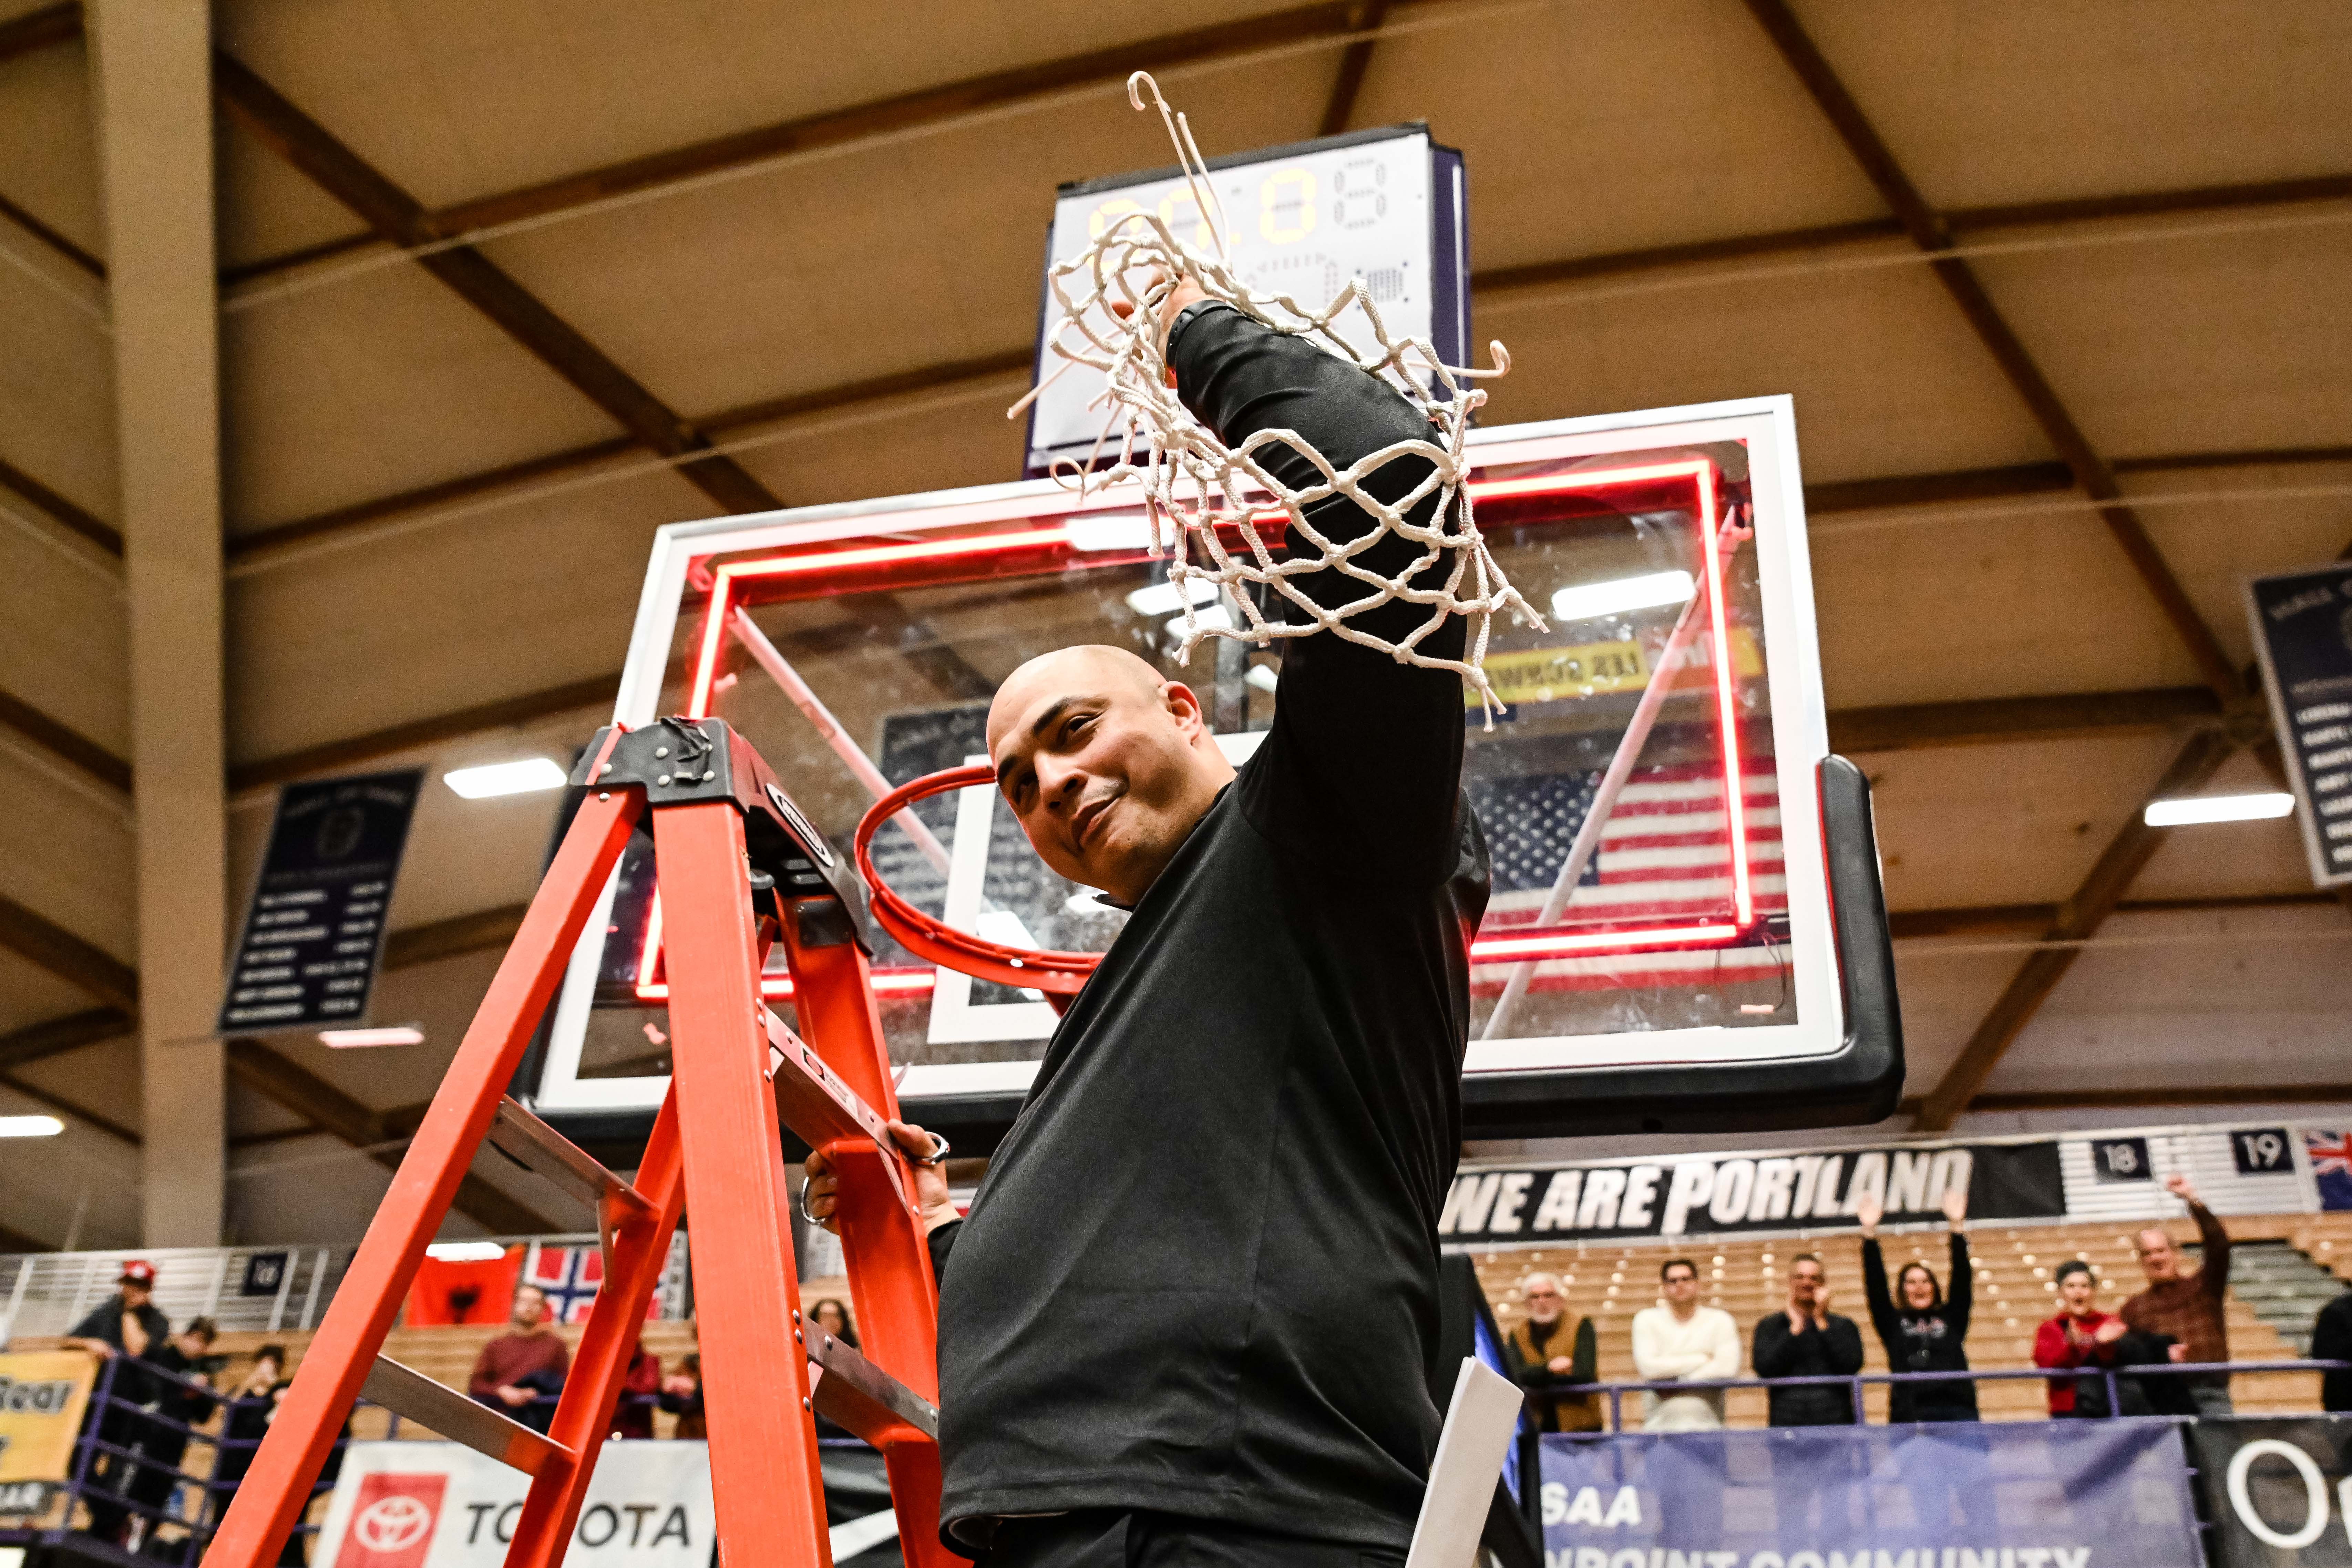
x=1682, y=1341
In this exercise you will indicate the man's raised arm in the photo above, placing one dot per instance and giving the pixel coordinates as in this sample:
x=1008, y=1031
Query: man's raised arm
x=1373, y=745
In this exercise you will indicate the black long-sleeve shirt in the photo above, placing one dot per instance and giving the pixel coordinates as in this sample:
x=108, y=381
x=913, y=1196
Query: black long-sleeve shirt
x=1242, y=1131
x=1932, y=1339
x=1834, y=1351
x=2331, y=1339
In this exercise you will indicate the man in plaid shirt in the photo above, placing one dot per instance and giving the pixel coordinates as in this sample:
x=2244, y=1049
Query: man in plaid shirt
x=2187, y=1308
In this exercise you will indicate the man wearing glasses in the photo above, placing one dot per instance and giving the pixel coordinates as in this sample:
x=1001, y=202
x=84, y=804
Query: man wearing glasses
x=1552, y=1351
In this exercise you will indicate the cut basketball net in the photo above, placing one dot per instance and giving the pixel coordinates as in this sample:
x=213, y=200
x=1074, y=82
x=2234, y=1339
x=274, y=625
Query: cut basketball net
x=1199, y=491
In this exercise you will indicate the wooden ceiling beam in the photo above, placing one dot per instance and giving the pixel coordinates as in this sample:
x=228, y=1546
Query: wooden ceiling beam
x=62, y=511
x=2004, y=919
x=56, y=1037
x=506, y=713
x=65, y=1107
x=1348, y=81
x=453, y=938
x=321, y=1103
x=880, y=119
x=400, y=218
x=1913, y=726
x=73, y=254
x=1931, y=233
x=50, y=24
x=77, y=962
x=67, y=744
x=2077, y=919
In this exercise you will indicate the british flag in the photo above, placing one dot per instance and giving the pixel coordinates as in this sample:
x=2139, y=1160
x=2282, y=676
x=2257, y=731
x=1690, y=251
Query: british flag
x=1664, y=854
x=2331, y=1165
x=569, y=1276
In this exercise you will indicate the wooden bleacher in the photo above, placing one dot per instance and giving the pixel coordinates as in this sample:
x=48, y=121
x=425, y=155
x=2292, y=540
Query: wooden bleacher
x=2014, y=1294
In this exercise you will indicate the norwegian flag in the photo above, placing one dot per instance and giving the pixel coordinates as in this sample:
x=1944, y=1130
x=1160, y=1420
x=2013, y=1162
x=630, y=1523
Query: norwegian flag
x=2331, y=1167
x=570, y=1277
x=1664, y=854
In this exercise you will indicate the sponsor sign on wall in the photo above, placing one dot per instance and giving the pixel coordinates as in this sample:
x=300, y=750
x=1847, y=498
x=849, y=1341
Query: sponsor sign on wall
x=42, y=1395
x=1707, y=1195
x=2060, y=1494
x=438, y=1505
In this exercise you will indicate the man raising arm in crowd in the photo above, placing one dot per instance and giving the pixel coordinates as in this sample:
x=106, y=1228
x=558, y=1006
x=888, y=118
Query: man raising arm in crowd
x=2187, y=1308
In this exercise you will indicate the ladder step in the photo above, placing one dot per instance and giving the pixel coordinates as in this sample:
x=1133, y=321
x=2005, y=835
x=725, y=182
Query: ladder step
x=460, y=1419
x=856, y=1393
x=542, y=1151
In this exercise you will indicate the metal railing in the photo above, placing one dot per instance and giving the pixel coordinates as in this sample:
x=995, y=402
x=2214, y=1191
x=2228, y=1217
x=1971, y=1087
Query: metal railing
x=130, y=1492
x=1856, y=1380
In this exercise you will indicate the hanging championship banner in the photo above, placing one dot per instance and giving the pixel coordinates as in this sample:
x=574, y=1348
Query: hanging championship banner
x=2303, y=634
x=1715, y=1195
x=2279, y=1492
x=2059, y=1494
x=315, y=930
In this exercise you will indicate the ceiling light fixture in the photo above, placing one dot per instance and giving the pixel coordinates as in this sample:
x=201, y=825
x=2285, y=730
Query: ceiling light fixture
x=1165, y=599
x=1590, y=601
x=30, y=1126
x=495, y=779
x=390, y=1035
x=465, y=1252
x=2199, y=809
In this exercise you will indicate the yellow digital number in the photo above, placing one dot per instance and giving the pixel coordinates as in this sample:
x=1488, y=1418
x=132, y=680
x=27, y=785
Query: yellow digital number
x=1287, y=189
x=1182, y=201
x=1109, y=213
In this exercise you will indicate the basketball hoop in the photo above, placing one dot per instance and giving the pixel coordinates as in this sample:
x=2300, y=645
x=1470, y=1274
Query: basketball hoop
x=1058, y=975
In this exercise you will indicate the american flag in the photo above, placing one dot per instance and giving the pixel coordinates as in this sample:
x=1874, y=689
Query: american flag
x=570, y=1277
x=1664, y=854
x=2331, y=1167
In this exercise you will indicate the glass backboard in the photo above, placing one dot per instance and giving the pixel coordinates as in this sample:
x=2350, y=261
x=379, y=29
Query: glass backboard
x=1701, y=928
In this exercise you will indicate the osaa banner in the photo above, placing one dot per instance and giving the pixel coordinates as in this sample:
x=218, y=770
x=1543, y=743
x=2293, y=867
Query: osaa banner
x=2061, y=1494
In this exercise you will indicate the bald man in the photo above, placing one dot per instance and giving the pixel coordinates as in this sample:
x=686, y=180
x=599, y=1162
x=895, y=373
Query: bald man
x=1192, y=1314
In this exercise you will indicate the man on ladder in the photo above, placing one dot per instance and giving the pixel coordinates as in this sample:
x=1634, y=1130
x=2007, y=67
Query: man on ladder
x=1192, y=1317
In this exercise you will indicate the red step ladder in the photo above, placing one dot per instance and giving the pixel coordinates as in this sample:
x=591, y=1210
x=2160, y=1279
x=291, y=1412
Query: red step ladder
x=739, y=868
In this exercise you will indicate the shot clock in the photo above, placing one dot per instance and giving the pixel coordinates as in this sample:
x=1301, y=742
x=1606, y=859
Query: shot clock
x=1384, y=206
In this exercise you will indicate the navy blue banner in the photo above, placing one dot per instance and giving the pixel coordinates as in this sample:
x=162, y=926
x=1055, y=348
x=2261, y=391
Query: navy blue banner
x=2058, y=1494
x=315, y=930
x=2302, y=634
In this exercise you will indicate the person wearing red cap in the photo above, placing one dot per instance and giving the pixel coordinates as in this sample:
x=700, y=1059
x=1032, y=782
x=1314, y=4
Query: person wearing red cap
x=125, y=1327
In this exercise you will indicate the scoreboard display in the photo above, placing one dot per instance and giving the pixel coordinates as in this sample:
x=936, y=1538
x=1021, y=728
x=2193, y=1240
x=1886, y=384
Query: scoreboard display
x=1384, y=206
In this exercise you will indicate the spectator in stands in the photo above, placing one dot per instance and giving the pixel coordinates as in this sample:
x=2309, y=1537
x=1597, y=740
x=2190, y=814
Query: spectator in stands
x=251, y=1404
x=1683, y=1342
x=2331, y=1339
x=521, y=1371
x=2187, y=1307
x=123, y=1327
x=2082, y=1336
x=633, y=1412
x=1808, y=1340
x=1922, y=1330
x=681, y=1396
x=833, y=1317
x=1550, y=1352
x=182, y=1400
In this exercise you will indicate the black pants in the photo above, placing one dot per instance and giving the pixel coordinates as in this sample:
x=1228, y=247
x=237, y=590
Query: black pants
x=1105, y=1538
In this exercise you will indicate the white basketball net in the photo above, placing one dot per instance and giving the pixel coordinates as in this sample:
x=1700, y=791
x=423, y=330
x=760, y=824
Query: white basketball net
x=1194, y=485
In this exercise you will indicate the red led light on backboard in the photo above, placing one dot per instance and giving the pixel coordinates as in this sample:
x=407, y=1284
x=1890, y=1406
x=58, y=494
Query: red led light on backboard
x=904, y=563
